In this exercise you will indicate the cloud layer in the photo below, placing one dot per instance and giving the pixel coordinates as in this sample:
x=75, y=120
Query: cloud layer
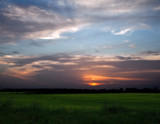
x=75, y=43
x=77, y=70
x=32, y=21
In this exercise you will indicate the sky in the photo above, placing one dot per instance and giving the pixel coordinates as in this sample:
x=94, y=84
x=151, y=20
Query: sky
x=79, y=44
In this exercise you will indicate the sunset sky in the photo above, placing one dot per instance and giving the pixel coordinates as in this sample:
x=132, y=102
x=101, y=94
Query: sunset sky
x=79, y=43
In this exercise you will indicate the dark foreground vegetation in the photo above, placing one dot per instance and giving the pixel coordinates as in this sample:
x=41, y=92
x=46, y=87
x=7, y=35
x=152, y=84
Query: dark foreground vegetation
x=124, y=108
x=61, y=91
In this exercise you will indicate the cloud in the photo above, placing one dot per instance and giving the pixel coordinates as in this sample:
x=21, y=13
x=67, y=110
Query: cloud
x=46, y=21
x=15, y=52
x=132, y=46
x=109, y=7
x=95, y=78
x=29, y=70
x=19, y=62
x=31, y=14
x=93, y=67
x=149, y=52
x=122, y=32
x=33, y=23
x=157, y=8
x=50, y=20
x=128, y=30
x=82, y=69
x=126, y=41
x=128, y=58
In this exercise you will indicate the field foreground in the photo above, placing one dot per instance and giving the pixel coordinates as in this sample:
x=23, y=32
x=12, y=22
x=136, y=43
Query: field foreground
x=117, y=108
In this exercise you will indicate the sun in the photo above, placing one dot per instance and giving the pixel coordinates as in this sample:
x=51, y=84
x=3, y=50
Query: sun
x=93, y=80
x=94, y=84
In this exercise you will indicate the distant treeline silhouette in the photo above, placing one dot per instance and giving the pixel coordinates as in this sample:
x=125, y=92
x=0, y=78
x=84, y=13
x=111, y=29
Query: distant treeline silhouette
x=70, y=91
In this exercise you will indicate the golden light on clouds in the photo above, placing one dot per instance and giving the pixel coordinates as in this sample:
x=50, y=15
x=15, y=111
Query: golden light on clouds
x=95, y=78
x=22, y=73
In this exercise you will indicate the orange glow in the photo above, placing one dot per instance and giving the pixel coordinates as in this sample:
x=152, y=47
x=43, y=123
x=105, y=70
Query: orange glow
x=94, y=84
x=22, y=74
x=104, y=78
x=93, y=78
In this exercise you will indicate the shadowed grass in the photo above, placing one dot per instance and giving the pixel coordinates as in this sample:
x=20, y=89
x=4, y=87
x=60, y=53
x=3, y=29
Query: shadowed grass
x=6, y=105
x=113, y=109
x=39, y=113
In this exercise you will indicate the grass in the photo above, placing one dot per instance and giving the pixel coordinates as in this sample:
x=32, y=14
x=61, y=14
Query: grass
x=135, y=108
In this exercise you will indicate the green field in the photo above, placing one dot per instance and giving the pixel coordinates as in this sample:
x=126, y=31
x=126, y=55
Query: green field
x=111, y=108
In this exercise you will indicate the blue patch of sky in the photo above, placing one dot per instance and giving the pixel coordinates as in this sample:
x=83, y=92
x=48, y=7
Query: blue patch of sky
x=146, y=39
x=89, y=41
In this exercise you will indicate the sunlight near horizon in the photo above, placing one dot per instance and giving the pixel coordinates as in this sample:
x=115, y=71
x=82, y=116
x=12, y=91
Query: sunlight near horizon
x=94, y=84
x=93, y=78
